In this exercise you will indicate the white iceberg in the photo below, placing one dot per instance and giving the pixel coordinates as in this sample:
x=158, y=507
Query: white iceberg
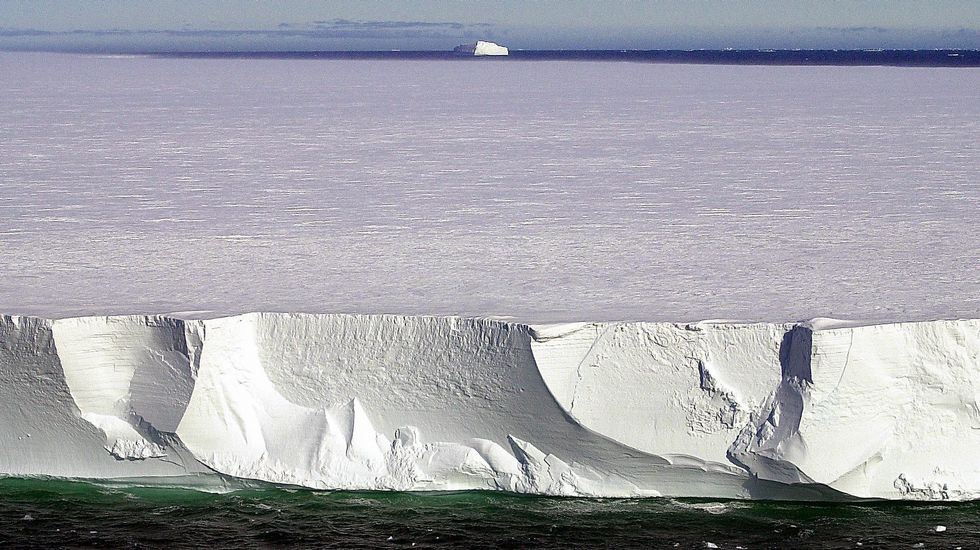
x=480, y=48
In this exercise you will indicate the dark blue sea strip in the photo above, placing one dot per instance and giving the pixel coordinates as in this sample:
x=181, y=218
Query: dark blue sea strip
x=898, y=58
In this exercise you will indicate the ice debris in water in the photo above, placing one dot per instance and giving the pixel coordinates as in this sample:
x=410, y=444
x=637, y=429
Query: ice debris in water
x=940, y=528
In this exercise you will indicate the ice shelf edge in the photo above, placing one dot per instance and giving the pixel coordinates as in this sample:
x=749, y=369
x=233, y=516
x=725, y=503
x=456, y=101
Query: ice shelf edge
x=816, y=410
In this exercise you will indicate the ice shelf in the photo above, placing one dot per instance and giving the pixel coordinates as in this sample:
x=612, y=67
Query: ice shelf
x=543, y=192
x=820, y=410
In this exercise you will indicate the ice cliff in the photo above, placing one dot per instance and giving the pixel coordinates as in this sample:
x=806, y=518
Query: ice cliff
x=818, y=410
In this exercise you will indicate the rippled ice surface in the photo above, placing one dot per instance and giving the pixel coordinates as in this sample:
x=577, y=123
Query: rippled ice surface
x=538, y=190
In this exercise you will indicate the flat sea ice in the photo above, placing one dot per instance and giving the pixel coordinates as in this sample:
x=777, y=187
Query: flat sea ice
x=542, y=191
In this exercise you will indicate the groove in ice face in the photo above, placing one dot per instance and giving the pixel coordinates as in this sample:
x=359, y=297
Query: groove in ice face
x=115, y=367
x=897, y=403
x=820, y=410
x=42, y=427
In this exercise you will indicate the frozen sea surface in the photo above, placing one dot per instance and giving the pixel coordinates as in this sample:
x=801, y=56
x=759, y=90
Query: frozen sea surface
x=542, y=191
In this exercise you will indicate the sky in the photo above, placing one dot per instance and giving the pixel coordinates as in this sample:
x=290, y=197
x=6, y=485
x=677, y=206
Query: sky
x=225, y=25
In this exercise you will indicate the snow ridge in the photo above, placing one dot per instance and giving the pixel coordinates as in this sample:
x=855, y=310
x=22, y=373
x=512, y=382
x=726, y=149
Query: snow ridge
x=819, y=410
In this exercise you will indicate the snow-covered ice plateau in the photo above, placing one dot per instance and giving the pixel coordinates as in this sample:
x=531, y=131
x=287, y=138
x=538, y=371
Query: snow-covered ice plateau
x=540, y=191
x=491, y=276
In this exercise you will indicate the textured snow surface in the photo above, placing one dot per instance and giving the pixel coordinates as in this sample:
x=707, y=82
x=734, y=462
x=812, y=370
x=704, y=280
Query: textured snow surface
x=809, y=411
x=543, y=191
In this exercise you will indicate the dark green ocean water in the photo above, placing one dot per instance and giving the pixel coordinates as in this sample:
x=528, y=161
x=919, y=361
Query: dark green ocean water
x=49, y=513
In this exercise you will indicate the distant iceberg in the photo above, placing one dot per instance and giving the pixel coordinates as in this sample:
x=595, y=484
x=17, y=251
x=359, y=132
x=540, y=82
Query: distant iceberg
x=481, y=47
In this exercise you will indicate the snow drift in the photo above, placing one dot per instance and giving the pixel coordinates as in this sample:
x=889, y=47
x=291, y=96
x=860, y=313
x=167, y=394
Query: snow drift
x=819, y=410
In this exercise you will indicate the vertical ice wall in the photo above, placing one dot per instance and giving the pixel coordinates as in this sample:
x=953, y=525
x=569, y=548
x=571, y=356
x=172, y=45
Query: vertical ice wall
x=69, y=391
x=663, y=388
x=879, y=410
x=819, y=410
x=406, y=403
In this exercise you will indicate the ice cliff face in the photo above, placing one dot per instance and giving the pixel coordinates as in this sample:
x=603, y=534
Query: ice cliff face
x=820, y=410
